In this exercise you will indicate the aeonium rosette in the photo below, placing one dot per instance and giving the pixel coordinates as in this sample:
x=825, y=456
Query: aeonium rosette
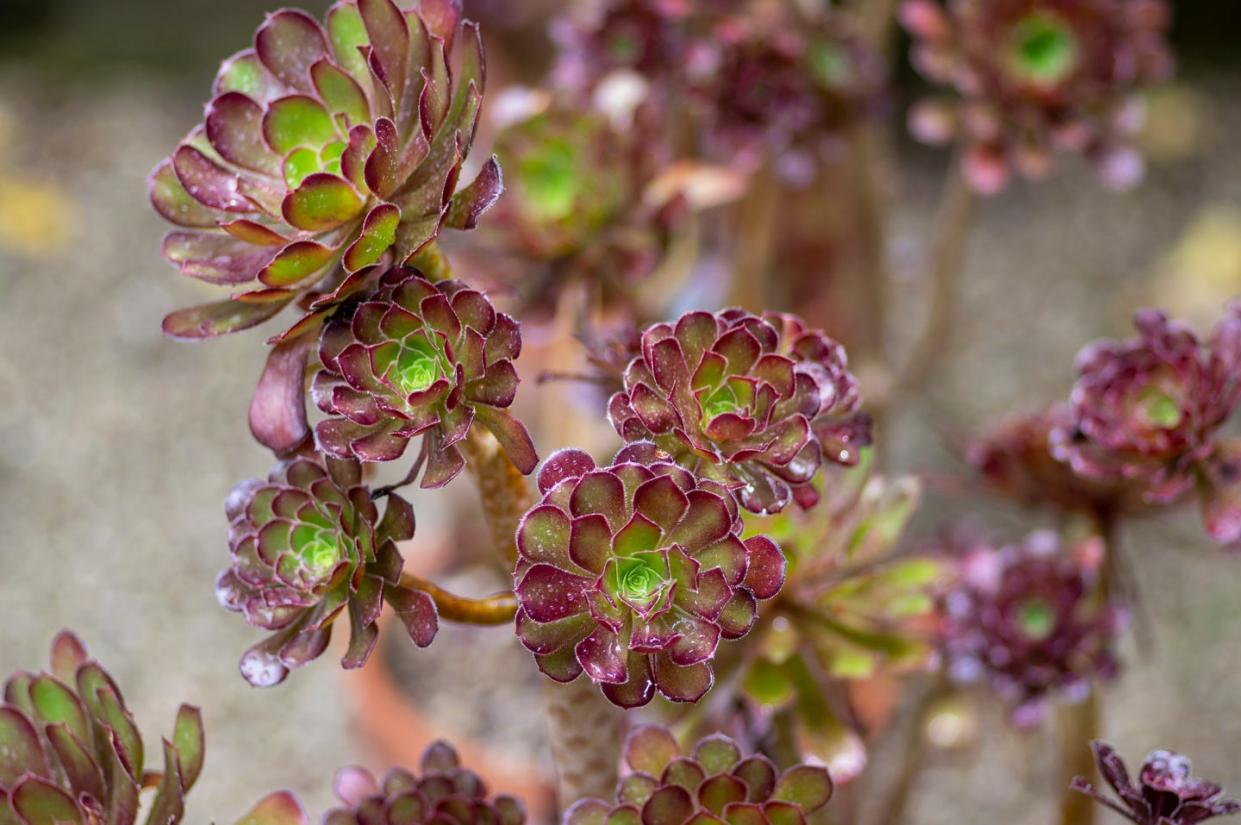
x=308, y=543
x=1150, y=410
x=713, y=783
x=417, y=358
x=634, y=572
x=754, y=403
x=1166, y=791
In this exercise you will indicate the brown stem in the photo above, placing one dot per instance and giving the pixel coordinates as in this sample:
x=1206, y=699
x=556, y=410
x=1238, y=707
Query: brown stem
x=1076, y=727
x=585, y=737
x=876, y=21
x=504, y=491
x=755, y=233
x=898, y=796
x=487, y=610
x=956, y=210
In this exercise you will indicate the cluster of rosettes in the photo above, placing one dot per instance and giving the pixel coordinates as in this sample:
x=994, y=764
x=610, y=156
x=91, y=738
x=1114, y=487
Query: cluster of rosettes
x=327, y=149
x=417, y=358
x=1028, y=619
x=1149, y=411
x=443, y=792
x=754, y=403
x=634, y=572
x=1166, y=793
x=307, y=544
x=714, y=784
x=1035, y=77
x=71, y=754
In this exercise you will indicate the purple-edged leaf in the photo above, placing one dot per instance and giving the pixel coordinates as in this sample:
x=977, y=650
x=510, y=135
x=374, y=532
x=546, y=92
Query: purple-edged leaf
x=765, y=567
x=322, y=202
x=469, y=204
x=717, y=754
x=340, y=92
x=661, y=501
x=354, y=784
x=221, y=317
x=207, y=182
x=759, y=775
x=587, y=812
x=543, y=536
x=276, y=809
x=188, y=737
x=720, y=791
x=783, y=813
x=600, y=492
x=603, y=657
x=68, y=654
x=497, y=387
x=682, y=684
x=640, y=688
x=378, y=235
x=169, y=803
x=590, y=542
x=364, y=609
x=640, y=535
x=398, y=522
x=215, y=258
x=295, y=262
x=744, y=813
x=809, y=787
x=670, y=805
x=417, y=612
x=513, y=437
x=174, y=203
x=697, y=642
x=234, y=125
x=20, y=751
x=548, y=638
x=442, y=18
x=561, y=666
x=389, y=35
x=549, y=594
x=705, y=522
x=78, y=763
x=650, y=748
x=278, y=408
x=739, y=615
x=54, y=702
x=288, y=43
x=636, y=788
x=39, y=802
x=562, y=464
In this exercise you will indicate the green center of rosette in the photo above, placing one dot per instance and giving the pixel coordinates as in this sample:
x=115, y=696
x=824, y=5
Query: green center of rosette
x=1045, y=49
x=1036, y=619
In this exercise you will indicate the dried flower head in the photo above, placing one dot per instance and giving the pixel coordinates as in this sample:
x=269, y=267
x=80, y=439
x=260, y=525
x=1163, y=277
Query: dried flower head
x=417, y=358
x=307, y=544
x=1027, y=618
x=71, y=753
x=1038, y=76
x=1166, y=792
x=751, y=402
x=711, y=784
x=327, y=149
x=634, y=572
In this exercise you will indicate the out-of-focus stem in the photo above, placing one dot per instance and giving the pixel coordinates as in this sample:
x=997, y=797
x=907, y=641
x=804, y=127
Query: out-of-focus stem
x=504, y=492
x=488, y=610
x=433, y=264
x=914, y=758
x=956, y=211
x=1076, y=727
x=876, y=21
x=755, y=234
x=585, y=737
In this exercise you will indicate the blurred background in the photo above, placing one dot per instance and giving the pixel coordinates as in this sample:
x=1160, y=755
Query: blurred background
x=118, y=447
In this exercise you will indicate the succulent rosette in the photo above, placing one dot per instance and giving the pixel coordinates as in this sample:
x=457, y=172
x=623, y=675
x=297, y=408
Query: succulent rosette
x=327, y=149
x=1166, y=793
x=713, y=783
x=1150, y=410
x=70, y=752
x=1034, y=77
x=307, y=544
x=417, y=358
x=442, y=792
x=1029, y=619
x=634, y=572
x=742, y=400
x=647, y=37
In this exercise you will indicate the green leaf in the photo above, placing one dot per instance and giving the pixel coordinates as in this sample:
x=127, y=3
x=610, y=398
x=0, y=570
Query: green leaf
x=280, y=808
x=768, y=684
x=188, y=738
x=296, y=121
x=321, y=203
x=39, y=802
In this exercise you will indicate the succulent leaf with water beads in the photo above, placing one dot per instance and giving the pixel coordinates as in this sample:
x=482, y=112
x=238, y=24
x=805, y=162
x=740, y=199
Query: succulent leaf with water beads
x=1166, y=792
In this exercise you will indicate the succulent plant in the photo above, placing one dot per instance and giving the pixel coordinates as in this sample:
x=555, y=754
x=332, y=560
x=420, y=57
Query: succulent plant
x=442, y=792
x=326, y=150
x=308, y=543
x=71, y=753
x=1166, y=792
x=743, y=400
x=648, y=37
x=711, y=784
x=1027, y=618
x=1037, y=76
x=634, y=572
x=1150, y=410
x=417, y=358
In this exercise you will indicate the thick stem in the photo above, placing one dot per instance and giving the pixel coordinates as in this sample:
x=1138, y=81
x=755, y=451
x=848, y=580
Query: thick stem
x=1076, y=727
x=488, y=610
x=914, y=759
x=504, y=492
x=755, y=233
x=956, y=210
x=585, y=736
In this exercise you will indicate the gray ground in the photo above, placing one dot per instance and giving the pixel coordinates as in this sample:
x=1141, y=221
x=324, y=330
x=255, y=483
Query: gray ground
x=117, y=449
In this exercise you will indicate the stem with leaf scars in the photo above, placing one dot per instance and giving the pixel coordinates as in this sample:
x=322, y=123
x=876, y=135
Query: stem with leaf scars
x=1077, y=725
x=913, y=758
x=755, y=233
x=504, y=492
x=487, y=610
x=585, y=731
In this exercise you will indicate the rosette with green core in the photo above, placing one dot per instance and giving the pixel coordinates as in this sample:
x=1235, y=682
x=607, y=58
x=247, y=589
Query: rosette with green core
x=1166, y=791
x=71, y=754
x=308, y=543
x=327, y=149
x=417, y=358
x=634, y=572
x=713, y=783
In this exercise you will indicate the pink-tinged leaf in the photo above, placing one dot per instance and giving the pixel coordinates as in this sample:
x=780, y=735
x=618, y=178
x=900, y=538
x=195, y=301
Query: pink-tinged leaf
x=697, y=642
x=561, y=666
x=590, y=545
x=640, y=688
x=469, y=204
x=442, y=17
x=347, y=34
x=603, y=657
x=277, y=809
x=169, y=803
x=244, y=73
x=295, y=121
x=54, y=702
x=717, y=754
x=682, y=684
x=587, y=812
x=189, y=740
x=378, y=235
x=255, y=233
x=321, y=203
x=744, y=813
x=364, y=609
x=705, y=522
x=661, y=501
x=513, y=437
x=20, y=751
x=759, y=775
x=550, y=637
x=650, y=748
x=221, y=318
x=389, y=35
x=39, y=802
x=543, y=536
x=216, y=258
x=76, y=761
x=433, y=103
x=549, y=594
x=738, y=615
x=278, y=408
x=765, y=567
x=354, y=784
x=562, y=464
x=393, y=161
x=68, y=654
x=720, y=791
x=174, y=203
x=398, y=523
x=417, y=612
x=296, y=262
x=288, y=43
x=234, y=125
x=740, y=349
x=670, y=805
x=805, y=786
x=340, y=92
x=208, y=182
x=600, y=492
